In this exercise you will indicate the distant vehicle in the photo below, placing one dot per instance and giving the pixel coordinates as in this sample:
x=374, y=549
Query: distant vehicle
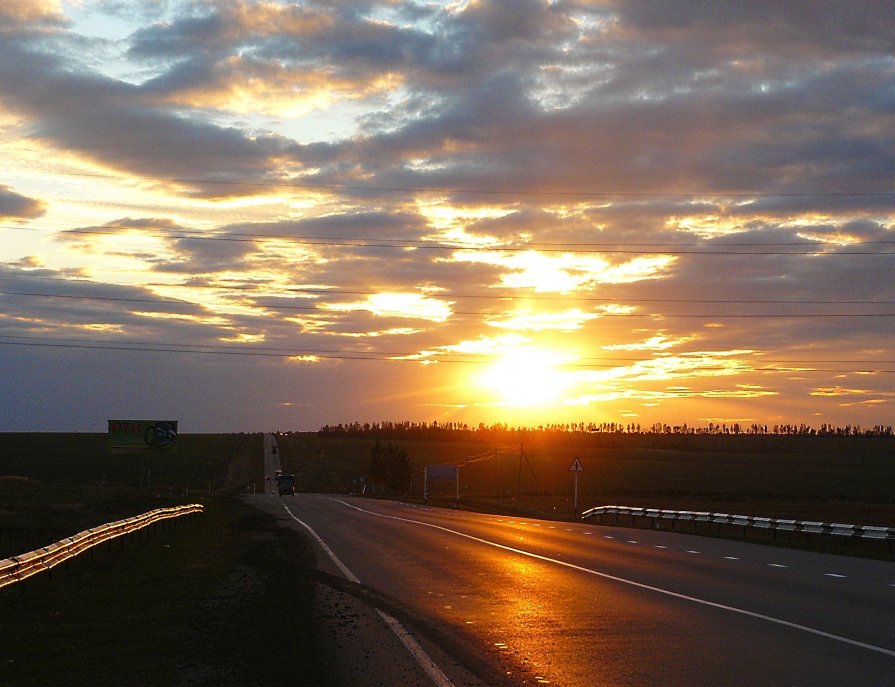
x=286, y=485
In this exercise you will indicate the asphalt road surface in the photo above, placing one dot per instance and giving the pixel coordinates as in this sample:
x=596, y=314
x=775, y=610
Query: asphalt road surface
x=581, y=605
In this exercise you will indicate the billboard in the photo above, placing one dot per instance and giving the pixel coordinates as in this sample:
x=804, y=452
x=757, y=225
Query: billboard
x=447, y=472
x=141, y=435
x=441, y=472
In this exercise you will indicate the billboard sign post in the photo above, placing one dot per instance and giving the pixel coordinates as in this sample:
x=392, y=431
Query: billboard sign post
x=132, y=436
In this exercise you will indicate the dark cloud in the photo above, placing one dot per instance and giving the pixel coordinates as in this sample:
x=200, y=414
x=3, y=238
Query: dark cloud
x=110, y=122
x=16, y=206
x=816, y=26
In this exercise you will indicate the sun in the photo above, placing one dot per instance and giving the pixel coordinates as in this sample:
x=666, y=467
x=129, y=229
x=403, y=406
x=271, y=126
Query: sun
x=526, y=378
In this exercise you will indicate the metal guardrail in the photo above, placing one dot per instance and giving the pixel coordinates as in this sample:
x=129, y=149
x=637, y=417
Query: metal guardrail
x=748, y=521
x=25, y=565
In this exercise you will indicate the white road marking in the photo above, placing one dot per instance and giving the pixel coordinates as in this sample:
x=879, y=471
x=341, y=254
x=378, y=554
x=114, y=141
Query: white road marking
x=776, y=565
x=731, y=558
x=834, y=575
x=421, y=657
x=633, y=583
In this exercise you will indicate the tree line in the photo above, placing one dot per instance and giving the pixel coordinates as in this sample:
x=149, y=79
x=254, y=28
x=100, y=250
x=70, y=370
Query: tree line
x=456, y=430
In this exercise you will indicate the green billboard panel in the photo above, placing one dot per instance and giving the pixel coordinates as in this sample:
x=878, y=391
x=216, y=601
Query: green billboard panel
x=142, y=435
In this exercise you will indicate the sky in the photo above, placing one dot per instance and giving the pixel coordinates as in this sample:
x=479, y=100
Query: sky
x=257, y=216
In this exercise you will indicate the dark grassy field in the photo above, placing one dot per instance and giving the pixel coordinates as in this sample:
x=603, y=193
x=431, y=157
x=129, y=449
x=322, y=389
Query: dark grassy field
x=831, y=479
x=212, y=599
x=55, y=485
x=207, y=600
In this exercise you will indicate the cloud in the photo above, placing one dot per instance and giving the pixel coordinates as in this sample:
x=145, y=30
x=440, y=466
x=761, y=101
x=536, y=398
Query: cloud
x=701, y=190
x=113, y=123
x=16, y=206
x=39, y=14
x=803, y=26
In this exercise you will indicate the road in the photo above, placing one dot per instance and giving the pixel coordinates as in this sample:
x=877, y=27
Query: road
x=575, y=604
x=578, y=604
x=271, y=463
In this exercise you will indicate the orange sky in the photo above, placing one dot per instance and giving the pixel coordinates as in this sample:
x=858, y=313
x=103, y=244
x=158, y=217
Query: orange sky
x=259, y=215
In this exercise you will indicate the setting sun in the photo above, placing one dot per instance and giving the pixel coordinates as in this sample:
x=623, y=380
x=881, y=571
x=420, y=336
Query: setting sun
x=525, y=378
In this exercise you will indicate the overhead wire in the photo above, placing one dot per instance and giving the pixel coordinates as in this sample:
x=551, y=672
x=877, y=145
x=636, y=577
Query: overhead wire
x=445, y=295
x=330, y=311
x=405, y=189
x=587, y=248
x=451, y=358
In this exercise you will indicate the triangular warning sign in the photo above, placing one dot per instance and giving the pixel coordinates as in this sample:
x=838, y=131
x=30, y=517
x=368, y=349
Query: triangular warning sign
x=576, y=466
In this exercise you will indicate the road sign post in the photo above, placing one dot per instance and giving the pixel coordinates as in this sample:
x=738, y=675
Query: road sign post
x=576, y=467
x=441, y=473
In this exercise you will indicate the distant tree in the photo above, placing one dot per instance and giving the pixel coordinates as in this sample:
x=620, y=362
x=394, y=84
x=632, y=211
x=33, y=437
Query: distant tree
x=390, y=468
x=377, y=466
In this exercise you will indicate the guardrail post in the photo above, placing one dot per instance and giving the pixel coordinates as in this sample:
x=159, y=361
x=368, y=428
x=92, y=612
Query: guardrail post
x=19, y=568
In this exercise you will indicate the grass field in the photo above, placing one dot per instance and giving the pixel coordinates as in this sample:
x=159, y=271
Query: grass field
x=843, y=479
x=54, y=485
x=207, y=600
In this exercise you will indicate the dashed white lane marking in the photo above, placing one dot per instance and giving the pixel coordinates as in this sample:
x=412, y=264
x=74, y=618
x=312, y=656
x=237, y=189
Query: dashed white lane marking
x=632, y=583
x=420, y=656
x=729, y=558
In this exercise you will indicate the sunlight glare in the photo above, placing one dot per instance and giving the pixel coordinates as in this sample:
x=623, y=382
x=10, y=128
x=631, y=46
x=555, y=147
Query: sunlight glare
x=526, y=377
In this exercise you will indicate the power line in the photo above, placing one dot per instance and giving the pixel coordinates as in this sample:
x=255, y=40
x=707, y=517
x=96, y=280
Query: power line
x=315, y=308
x=250, y=349
x=608, y=248
x=405, y=189
x=448, y=295
x=381, y=356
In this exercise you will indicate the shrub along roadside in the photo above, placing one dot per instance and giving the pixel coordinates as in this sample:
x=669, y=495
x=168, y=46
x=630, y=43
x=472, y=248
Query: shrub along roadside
x=223, y=598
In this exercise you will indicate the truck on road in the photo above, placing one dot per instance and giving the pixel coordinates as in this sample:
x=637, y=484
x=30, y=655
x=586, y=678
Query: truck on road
x=285, y=485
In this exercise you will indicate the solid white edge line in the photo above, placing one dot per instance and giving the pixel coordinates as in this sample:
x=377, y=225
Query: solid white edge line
x=639, y=585
x=420, y=656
